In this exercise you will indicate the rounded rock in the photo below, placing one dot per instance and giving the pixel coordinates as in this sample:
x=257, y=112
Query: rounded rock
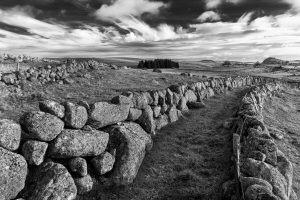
x=10, y=134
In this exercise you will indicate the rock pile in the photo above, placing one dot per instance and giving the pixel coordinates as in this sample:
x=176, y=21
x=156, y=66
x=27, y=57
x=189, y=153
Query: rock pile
x=67, y=147
x=262, y=170
x=157, y=63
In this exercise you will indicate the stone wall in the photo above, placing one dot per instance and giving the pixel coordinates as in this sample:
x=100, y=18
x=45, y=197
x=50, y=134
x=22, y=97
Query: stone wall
x=64, y=149
x=58, y=73
x=262, y=171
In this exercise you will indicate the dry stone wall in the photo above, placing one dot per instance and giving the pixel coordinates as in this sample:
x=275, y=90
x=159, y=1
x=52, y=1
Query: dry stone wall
x=58, y=73
x=63, y=150
x=262, y=171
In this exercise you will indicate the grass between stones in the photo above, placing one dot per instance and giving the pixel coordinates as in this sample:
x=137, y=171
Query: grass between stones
x=190, y=159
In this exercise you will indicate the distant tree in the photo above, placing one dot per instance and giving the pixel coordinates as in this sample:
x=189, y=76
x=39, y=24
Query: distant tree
x=226, y=63
x=257, y=64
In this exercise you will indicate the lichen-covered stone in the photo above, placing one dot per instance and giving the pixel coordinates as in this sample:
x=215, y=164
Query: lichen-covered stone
x=190, y=96
x=75, y=116
x=13, y=172
x=104, y=114
x=131, y=142
x=147, y=121
x=51, y=181
x=182, y=105
x=52, y=108
x=78, y=143
x=156, y=111
x=103, y=163
x=78, y=165
x=41, y=126
x=10, y=134
x=172, y=114
x=162, y=121
x=134, y=114
x=34, y=151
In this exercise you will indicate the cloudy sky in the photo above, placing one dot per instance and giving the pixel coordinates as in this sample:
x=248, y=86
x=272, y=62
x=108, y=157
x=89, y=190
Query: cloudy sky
x=185, y=29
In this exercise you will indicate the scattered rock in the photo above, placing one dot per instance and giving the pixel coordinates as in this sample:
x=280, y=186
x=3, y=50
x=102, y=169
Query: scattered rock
x=78, y=143
x=103, y=163
x=34, y=151
x=42, y=126
x=52, y=181
x=75, y=116
x=103, y=114
x=10, y=134
x=84, y=184
x=52, y=108
x=79, y=166
x=13, y=172
x=131, y=142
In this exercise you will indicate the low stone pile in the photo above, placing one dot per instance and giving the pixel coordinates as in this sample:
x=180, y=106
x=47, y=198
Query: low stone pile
x=50, y=73
x=262, y=171
x=157, y=63
x=67, y=148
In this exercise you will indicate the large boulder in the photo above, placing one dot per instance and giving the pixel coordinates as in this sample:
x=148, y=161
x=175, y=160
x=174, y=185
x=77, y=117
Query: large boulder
x=75, y=116
x=147, y=121
x=134, y=114
x=34, y=151
x=131, y=142
x=51, y=181
x=172, y=114
x=139, y=100
x=10, y=134
x=13, y=172
x=53, y=108
x=78, y=143
x=41, y=126
x=182, y=105
x=104, y=114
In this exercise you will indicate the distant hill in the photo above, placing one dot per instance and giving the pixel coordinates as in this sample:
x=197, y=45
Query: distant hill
x=272, y=61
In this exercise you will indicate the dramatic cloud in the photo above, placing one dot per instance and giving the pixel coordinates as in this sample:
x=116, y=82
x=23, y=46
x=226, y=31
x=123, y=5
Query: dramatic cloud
x=210, y=4
x=209, y=16
x=125, y=8
x=214, y=29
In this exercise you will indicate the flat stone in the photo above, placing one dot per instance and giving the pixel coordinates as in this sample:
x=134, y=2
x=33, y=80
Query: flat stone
x=103, y=163
x=34, y=151
x=13, y=172
x=131, y=143
x=41, y=126
x=10, y=134
x=75, y=116
x=52, y=108
x=78, y=143
x=51, y=181
x=103, y=114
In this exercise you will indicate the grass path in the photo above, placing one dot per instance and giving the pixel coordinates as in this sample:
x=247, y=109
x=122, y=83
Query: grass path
x=190, y=159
